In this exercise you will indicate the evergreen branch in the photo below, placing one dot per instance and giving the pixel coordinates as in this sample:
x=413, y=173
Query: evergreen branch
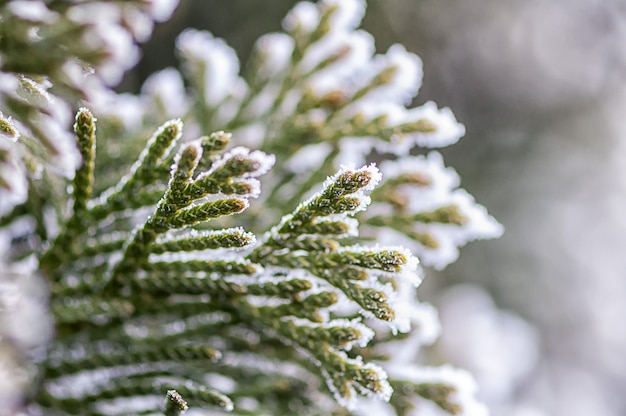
x=387, y=260
x=202, y=213
x=326, y=227
x=85, y=129
x=233, y=238
x=404, y=225
x=449, y=214
x=134, y=294
x=188, y=285
x=69, y=365
x=308, y=308
x=372, y=300
x=313, y=243
x=90, y=309
x=138, y=387
x=282, y=289
x=157, y=148
x=64, y=245
x=334, y=199
x=212, y=266
x=175, y=405
x=102, y=247
x=438, y=393
x=168, y=213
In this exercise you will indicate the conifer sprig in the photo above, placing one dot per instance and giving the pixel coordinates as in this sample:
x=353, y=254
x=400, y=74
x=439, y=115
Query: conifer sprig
x=154, y=278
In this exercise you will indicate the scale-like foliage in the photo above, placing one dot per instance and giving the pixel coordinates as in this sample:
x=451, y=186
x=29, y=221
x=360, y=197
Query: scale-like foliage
x=175, y=276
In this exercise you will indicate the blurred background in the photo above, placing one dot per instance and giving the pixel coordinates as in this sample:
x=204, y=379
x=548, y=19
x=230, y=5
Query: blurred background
x=539, y=315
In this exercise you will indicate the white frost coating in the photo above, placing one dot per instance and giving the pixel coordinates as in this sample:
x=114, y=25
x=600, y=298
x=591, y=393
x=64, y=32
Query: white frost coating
x=399, y=303
x=121, y=51
x=409, y=272
x=34, y=11
x=230, y=106
x=273, y=274
x=352, y=52
x=275, y=51
x=264, y=161
x=356, y=51
x=496, y=346
x=9, y=83
x=304, y=16
x=367, y=334
x=220, y=254
x=209, y=58
x=12, y=169
x=290, y=103
x=161, y=10
x=438, y=193
x=19, y=227
x=40, y=87
x=352, y=223
x=427, y=324
x=371, y=406
x=106, y=32
x=418, y=319
x=364, y=200
x=251, y=135
x=127, y=108
x=193, y=233
x=386, y=389
x=23, y=318
x=139, y=24
x=406, y=79
x=442, y=180
x=375, y=175
x=354, y=150
x=168, y=89
x=463, y=383
x=94, y=13
x=480, y=225
x=179, y=131
x=194, y=144
x=351, y=402
x=308, y=157
x=448, y=130
x=262, y=301
x=114, y=30
x=68, y=157
x=266, y=365
x=220, y=382
x=262, y=102
x=348, y=14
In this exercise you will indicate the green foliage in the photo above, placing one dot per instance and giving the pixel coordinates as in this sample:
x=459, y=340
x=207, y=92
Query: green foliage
x=167, y=279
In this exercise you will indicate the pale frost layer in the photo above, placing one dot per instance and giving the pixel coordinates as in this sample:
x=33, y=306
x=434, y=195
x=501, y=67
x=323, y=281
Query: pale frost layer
x=497, y=346
x=439, y=191
x=212, y=61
